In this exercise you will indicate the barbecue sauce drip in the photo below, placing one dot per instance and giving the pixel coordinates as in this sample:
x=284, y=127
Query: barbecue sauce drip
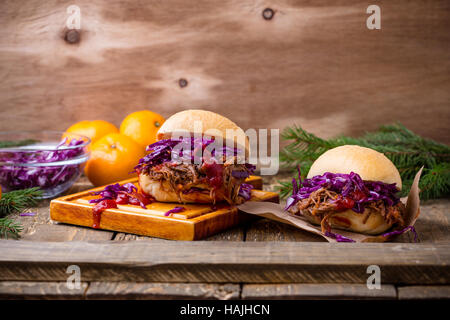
x=99, y=208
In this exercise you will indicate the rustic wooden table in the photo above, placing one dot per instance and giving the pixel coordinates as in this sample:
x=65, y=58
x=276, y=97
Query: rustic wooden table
x=259, y=260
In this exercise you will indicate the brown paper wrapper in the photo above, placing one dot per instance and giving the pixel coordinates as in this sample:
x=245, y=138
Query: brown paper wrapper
x=276, y=212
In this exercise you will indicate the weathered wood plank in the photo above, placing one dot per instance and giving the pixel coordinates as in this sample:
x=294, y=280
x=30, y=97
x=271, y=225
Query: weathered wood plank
x=433, y=223
x=63, y=232
x=267, y=230
x=225, y=262
x=126, y=290
x=120, y=236
x=233, y=234
x=133, y=54
x=424, y=292
x=40, y=290
x=316, y=291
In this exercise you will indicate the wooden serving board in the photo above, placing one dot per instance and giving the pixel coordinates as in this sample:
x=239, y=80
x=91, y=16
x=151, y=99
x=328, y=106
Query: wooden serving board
x=196, y=222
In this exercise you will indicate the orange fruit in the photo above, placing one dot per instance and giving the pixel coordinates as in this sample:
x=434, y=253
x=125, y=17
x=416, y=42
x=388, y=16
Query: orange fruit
x=93, y=129
x=142, y=126
x=113, y=158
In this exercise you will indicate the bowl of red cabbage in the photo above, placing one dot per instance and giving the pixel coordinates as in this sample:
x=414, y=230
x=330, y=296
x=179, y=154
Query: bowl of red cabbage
x=49, y=160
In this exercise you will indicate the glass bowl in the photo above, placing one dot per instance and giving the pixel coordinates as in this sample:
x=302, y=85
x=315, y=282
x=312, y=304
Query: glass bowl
x=50, y=160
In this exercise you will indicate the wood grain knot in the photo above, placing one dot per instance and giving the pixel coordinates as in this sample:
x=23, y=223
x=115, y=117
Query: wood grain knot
x=268, y=13
x=183, y=82
x=72, y=36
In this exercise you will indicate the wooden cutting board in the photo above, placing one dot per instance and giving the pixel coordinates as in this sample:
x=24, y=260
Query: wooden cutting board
x=196, y=222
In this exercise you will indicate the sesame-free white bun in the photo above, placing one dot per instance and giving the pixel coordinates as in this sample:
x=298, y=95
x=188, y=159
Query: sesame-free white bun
x=371, y=165
x=187, y=121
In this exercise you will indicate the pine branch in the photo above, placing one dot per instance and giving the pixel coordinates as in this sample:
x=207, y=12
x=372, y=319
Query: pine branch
x=19, y=200
x=408, y=151
x=14, y=202
x=9, y=228
x=435, y=182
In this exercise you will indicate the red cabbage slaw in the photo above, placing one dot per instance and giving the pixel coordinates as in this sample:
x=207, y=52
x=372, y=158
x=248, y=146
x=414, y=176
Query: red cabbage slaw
x=161, y=152
x=112, y=191
x=245, y=191
x=401, y=231
x=346, y=185
x=26, y=168
x=338, y=237
x=174, y=210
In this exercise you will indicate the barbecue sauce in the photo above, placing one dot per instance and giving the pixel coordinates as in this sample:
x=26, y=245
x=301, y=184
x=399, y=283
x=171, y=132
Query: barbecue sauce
x=122, y=198
x=138, y=198
x=358, y=195
x=214, y=174
x=344, y=203
x=99, y=208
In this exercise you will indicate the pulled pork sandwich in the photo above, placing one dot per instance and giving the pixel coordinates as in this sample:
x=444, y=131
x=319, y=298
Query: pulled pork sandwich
x=351, y=188
x=185, y=170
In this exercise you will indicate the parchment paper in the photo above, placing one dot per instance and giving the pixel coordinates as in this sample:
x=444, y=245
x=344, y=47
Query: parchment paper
x=275, y=212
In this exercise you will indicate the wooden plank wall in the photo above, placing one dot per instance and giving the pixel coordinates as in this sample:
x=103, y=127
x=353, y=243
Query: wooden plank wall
x=313, y=63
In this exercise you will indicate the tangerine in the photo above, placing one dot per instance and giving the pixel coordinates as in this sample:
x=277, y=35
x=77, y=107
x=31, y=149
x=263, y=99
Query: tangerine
x=93, y=129
x=142, y=126
x=113, y=158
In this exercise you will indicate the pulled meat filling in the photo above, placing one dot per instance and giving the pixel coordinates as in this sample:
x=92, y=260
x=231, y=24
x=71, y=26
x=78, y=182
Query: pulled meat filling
x=323, y=203
x=185, y=178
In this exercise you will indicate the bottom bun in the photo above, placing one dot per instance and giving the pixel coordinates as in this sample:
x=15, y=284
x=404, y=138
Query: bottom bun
x=163, y=192
x=352, y=221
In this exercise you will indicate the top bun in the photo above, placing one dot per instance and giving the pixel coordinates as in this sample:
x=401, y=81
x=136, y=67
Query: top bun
x=371, y=165
x=185, y=121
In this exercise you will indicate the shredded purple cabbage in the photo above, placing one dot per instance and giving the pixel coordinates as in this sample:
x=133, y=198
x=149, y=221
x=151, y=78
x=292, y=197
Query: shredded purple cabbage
x=161, y=152
x=245, y=191
x=397, y=232
x=175, y=210
x=240, y=174
x=348, y=186
x=338, y=237
x=27, y=214
x=15, y=177
x=110, y=192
